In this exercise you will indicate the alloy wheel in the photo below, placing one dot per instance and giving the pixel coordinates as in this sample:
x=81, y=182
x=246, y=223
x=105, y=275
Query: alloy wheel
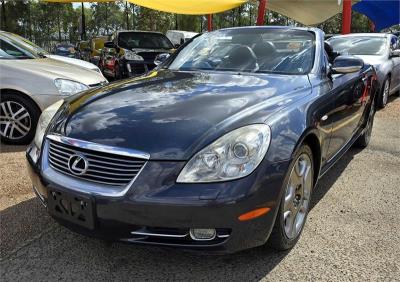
x=15, y=120
x=297, y=196
x=386, y=89
x=370, y=123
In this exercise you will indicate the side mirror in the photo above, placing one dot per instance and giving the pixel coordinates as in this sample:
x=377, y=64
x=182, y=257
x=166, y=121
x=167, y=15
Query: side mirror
x=395, y=53
x=346, y=64
x=161, y=58
x=109, y=44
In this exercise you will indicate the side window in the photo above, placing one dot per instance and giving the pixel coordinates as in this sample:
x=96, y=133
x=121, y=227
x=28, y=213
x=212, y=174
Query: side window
x=393, y=43
x=11, y=50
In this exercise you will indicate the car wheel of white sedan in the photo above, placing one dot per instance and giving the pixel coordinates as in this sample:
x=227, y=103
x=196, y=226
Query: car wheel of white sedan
x=18, y=119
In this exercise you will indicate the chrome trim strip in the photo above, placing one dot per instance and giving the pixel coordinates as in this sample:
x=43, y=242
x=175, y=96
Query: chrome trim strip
x=223, y=235
x=98, y=147
x=159, y=234
x=41, y=198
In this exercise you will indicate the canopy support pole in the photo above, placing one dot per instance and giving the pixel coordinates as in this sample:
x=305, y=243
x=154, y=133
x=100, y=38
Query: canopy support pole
x=261, y=12
x=346, y=17
x=209, y=22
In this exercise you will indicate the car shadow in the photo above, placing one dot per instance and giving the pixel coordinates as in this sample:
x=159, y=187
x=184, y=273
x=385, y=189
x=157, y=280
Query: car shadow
x=391, y=99
x=34, y=246
x=330, y=177
x=5, y=148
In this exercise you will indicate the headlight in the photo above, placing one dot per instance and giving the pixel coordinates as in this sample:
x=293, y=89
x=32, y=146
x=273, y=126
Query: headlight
x=131, y=56
x=68, y=87
x=232, y=156
x=44, y=121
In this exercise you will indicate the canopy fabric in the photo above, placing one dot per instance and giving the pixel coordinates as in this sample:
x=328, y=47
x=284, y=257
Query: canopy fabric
x=384, y=14
x=307, y=12
x=190, y=7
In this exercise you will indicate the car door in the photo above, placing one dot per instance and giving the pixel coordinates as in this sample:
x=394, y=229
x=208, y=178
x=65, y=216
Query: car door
x=395, y=78
x=349, y=95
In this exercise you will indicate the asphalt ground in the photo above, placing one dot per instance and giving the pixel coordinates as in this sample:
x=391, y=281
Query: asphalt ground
x=352, y=232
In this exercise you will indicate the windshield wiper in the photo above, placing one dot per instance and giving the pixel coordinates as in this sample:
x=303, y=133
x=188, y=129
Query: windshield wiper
x=41, y=55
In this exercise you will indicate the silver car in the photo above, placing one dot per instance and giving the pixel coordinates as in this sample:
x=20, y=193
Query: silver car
x=29, y=83
x=378, y=49
x=33, y=48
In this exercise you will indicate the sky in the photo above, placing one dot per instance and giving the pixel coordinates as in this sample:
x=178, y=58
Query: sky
x=78, y=5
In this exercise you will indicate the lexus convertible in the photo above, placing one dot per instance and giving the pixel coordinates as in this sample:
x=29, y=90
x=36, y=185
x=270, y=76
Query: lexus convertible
x=219, y=148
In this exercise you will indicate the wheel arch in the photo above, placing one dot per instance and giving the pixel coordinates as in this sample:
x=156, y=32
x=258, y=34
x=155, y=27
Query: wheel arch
x=311, y=138
x=20, y=93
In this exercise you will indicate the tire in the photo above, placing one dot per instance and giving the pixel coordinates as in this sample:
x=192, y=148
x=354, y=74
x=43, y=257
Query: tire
x=385, y=92
x=19, y=117
x=365, y=137
x=282, y=238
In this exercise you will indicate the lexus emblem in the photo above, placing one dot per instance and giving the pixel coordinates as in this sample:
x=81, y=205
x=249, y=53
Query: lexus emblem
x=78, y=164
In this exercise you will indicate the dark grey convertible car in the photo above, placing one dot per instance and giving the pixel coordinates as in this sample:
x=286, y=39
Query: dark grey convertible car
x=218, y=149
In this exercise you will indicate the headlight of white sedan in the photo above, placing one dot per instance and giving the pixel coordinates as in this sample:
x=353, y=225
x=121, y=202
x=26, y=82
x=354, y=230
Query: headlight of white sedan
x=68, y=87
x=44, y=121
x=232, y=156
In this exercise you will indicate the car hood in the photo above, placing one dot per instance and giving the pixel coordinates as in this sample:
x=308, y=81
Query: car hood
x=73, y=61
x=171, y=115
x=58, y=69
x=372, y=60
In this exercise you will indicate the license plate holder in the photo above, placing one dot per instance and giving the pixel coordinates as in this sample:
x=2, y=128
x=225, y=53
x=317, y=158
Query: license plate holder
x=74, y=208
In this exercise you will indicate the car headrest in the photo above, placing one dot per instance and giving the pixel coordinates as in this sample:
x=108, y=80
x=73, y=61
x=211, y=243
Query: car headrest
x=264, y=49
x=240, y=57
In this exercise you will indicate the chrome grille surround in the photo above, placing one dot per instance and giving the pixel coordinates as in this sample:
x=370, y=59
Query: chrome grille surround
x=107, y=166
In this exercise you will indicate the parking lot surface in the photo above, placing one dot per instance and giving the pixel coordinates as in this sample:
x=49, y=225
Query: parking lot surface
x=352, y=232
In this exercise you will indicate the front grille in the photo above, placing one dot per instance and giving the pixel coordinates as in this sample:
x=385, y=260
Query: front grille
x=105, y=168
x=138, y=68
x=149, y=55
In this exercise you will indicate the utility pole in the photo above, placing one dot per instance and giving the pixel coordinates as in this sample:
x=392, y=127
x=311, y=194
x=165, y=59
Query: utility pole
x=83, y=35
x=127, y=15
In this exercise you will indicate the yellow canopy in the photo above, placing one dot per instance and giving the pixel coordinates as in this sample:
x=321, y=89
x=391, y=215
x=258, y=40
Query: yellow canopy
x=308, y=12
x=190, y=7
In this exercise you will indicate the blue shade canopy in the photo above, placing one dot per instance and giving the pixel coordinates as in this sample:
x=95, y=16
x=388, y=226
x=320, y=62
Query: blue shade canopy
x=384, y=13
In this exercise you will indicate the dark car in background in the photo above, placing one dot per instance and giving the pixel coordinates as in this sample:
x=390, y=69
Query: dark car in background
x=219, y=149
x=65, y=50
x=132, y=53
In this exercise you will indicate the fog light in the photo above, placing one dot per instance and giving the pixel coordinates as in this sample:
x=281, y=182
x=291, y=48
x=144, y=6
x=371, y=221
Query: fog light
x=202, y=234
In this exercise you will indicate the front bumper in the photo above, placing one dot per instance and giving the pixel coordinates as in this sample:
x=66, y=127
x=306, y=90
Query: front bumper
x=154, y=203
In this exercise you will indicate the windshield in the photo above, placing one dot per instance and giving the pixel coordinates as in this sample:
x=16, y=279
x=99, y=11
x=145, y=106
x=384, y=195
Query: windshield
x=145, y=40
x=358, y=45
x=249, y=50
x=27, y=45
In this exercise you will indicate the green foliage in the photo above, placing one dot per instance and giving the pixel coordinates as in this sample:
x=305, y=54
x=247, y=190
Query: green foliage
x=49, y=23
